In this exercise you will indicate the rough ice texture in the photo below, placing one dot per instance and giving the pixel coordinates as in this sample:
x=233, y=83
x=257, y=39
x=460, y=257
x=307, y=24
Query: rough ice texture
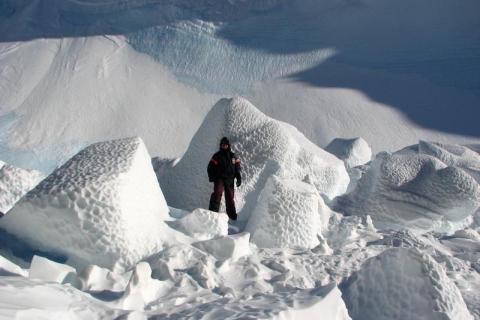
x=265, y=147
x=15, y=183
x=415, y=190
x=203, y=224
x=353, y=152
x=286, y=215
x=104, y=207
x=403, y=284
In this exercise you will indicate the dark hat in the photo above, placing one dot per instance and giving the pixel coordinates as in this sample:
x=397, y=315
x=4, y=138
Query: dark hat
x=224, y=141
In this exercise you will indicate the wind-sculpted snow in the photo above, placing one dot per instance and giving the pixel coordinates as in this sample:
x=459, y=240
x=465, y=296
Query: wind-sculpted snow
x=287, y=215
x=403, y=284
x=353, y=152
x=15, y=183
x=103, y=207
x=264, y=146
x=413, y=190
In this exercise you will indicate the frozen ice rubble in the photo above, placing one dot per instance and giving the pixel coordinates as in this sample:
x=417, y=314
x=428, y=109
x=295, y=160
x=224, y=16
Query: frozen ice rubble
x=403, y=284
x=104, y=206
x=353, y=152
x=287, y=215
x=14, y=184
x=265, y=147
x=413, y=190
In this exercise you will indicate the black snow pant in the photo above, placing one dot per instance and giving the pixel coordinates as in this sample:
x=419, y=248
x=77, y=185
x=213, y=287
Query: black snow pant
x=219, y=187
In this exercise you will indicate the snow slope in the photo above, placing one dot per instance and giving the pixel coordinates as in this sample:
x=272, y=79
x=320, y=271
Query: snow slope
x=265, y=147
x=103, y=206
x=79, y=64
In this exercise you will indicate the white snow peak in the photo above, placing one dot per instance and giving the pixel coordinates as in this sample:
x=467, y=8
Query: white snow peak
x=265, y=147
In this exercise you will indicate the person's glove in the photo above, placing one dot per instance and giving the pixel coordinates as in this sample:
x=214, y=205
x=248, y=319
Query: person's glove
x=239, y=181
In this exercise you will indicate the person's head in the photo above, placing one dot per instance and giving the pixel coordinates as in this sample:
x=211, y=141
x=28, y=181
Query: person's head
x=224, y=144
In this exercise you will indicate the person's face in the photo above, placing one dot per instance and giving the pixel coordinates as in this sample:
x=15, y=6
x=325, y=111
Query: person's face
x=224, y=146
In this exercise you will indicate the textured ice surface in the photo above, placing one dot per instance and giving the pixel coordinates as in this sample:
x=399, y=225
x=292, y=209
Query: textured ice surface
x=265, y=147
x=104, y=206
x=203, y=224
x=403, y=284
x=415, y=190
x=15, y=183
x=286, y=216
x=353, y=152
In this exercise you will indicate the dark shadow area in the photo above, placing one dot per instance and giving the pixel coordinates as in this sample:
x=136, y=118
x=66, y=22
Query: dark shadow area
x=445, y=109
x=24, y=251
x=22, y=20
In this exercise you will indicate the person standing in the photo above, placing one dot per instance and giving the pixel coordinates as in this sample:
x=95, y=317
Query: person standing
x=223, y=169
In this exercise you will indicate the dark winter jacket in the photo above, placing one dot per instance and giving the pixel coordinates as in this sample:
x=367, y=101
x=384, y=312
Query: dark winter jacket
x=224, y=165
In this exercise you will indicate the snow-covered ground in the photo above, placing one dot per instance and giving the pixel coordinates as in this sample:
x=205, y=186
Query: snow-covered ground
x=383, y=223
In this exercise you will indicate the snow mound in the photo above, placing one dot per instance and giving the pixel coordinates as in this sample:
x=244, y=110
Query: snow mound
x=104, y=206
x=353, y=152
x=229, y=247
x=413, y=190
x=403, y=284
x=14, y=184
x=203, y=224
x=286, y=215
x=265, y=147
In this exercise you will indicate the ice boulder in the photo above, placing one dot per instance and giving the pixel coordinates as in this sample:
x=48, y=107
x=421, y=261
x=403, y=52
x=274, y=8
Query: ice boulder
x=104, y=206
x=353, y=152
x=47, y=270
x=8, y=268
x=413, y=190
x=265, y=147
x=403, y=284
x=203, y=224
x=286, y=216
x=14, y=184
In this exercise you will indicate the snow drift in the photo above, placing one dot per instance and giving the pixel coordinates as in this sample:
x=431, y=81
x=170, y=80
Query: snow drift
x=265, y=147
x=14, y=184
x=103, y=206
x=415, y=190
x=403, y=284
